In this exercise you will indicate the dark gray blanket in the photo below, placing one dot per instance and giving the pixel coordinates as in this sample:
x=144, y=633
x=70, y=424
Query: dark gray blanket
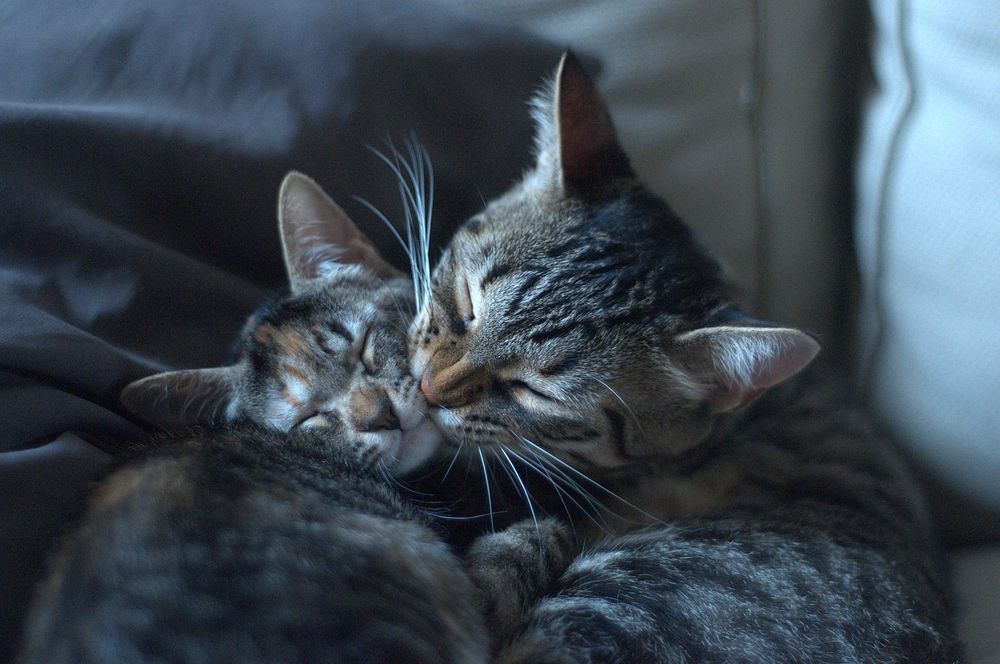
x=142, y=143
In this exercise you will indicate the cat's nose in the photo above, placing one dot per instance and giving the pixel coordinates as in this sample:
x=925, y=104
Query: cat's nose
x=384, y=417
x=428, y=388
x=450, y=387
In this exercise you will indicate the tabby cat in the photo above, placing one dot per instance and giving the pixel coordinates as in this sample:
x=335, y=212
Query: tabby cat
x=575, y=330
x=274, y=532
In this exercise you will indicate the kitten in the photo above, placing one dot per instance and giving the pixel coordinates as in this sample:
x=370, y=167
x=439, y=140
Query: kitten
x=575, y=329
x=273, y=534
x=335, y=348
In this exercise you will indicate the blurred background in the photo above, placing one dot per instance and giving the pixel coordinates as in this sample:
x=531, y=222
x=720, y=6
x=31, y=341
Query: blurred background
x=842, y=158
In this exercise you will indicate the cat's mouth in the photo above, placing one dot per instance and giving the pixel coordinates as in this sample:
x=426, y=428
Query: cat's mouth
x=413, y=447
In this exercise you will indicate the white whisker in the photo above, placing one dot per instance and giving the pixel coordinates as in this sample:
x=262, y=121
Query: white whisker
x=453, y=460
x=594, y=513
x=415, y=179
x=489, y=496
x=560, y=492
x=524, y=488
x=587, y=478
x=629, y=409
x=381, y=217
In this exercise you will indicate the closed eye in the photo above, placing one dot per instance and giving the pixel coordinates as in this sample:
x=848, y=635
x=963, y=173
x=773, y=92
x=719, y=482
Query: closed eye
x=315, y=419
x=367, y=353
x=526, y=389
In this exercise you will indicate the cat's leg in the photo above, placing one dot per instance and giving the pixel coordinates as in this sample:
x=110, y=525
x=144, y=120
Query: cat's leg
x=514, y=567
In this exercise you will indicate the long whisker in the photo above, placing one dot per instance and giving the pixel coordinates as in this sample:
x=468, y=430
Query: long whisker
x=588, y=479
x=489, y=496
x=403, y=318
x=425, y=240
x=415, y=180
x=453, y=460
x=394, y=165
x=458, y=452
x=451, y=517
x=524, y=492
x=385, y=220
x=421, y=191
x=547, y=466
x=524, y=488
x=596, y=507
x=560, y=492
x=392, y=479
x=407, y=246
x=627, y=407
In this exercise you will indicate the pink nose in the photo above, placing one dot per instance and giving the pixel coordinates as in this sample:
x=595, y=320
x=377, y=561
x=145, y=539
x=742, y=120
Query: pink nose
x=428, y=389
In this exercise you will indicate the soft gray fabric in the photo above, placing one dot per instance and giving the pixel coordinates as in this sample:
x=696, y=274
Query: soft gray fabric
x=142, y=144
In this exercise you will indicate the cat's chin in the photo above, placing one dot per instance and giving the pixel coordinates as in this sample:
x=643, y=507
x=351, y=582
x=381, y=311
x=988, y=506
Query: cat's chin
x=415, y=446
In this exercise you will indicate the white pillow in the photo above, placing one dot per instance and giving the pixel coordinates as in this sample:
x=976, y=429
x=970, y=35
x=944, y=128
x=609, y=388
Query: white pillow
x=928, y=234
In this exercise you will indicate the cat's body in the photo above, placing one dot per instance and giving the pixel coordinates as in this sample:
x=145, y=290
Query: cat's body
x=576, y=331
x=250, y=545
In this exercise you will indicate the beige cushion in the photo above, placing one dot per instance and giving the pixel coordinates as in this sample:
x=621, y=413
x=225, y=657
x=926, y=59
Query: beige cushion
x=928, y=229
x=732, y=116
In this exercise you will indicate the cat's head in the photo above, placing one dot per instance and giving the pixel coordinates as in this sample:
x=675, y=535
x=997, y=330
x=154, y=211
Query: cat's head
x=330, y=354
x=577, y=312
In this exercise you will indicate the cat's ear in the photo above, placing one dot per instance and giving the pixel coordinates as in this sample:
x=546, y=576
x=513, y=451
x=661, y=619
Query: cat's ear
x=578, y=140
x=317, y=237
x=183, y=398
x=730, y=366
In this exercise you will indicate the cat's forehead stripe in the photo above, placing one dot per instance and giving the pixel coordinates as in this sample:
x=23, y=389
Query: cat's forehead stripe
x=499, y=269
x=320, y=340
x=294, y=371
x=335, y=326
x=289, y=340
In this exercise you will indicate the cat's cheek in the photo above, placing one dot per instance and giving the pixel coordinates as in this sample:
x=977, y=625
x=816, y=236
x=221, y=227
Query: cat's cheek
x=446, y=418
x=416, y=446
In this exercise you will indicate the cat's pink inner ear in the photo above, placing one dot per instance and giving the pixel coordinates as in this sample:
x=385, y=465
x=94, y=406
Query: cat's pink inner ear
x=183, y=398
x=589, y=151
x=734, y=365
x=317, y=236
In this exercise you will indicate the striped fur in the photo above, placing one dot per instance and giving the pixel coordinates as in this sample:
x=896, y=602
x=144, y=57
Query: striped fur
x=249, y=545
x=579, y=337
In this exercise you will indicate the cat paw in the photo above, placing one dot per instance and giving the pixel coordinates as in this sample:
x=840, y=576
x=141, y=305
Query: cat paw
x=513, y=568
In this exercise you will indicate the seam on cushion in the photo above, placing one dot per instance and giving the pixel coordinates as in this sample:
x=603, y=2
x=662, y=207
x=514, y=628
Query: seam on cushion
x=874, y=299
x=757, y=92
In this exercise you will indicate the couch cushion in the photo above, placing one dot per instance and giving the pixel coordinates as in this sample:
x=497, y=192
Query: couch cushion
x=928, y=229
